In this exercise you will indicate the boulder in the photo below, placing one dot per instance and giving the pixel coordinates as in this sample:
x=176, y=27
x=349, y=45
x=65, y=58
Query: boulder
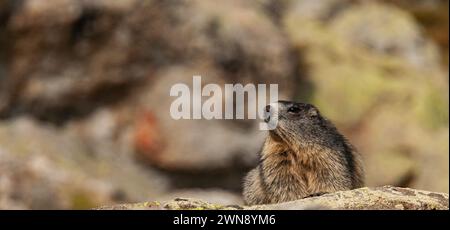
x=378, y=198
x=377, y=76
x=66, y=58
x=42, y=167
x=122, y=58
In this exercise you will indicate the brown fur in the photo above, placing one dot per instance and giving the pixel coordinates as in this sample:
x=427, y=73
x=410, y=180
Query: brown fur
x=293, y=166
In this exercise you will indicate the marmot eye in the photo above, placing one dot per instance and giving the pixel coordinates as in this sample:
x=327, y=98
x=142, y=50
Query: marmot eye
x=294, y=109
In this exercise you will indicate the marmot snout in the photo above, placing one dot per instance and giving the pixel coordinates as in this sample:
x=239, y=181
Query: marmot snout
x=304, y=155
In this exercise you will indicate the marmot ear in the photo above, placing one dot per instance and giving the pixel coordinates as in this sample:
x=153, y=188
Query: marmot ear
x=313, y=112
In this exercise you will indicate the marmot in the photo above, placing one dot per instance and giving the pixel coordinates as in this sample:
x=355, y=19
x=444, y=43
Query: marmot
x=303, y=156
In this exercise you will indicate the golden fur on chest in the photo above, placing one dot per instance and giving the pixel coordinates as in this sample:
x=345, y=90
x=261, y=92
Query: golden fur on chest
x=292, y=173
x=286, y=174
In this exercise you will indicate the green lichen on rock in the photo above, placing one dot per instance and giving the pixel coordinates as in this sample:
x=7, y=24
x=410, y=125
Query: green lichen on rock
x=351, y=78
x=149, y=205
x=194, y=204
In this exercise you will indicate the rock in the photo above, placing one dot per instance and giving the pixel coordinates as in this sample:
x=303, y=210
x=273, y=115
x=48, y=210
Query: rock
x=45, y=168
x=379, y=198
x=216, y=196
x=116, y=58
x=398, y=169
x=101, y=51
x=195, y=153
x=432, y=161
x=433, y=16
x=331, y=63
x=320, y=11
x=386, y=197
x=196, y=145
x=81, y=70
x=388, y=103
x=387, y=30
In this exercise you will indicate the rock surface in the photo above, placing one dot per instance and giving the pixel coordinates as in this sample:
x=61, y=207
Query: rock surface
x=378, y=198
x=36, y=174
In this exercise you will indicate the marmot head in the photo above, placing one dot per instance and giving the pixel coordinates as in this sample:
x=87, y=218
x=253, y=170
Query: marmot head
x=298, y=124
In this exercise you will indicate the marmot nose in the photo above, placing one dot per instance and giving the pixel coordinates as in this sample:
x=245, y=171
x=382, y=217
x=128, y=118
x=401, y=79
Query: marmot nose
x=267, y=108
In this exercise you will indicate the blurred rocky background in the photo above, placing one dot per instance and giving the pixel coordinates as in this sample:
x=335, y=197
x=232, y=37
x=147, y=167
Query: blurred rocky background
x=84, y=93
